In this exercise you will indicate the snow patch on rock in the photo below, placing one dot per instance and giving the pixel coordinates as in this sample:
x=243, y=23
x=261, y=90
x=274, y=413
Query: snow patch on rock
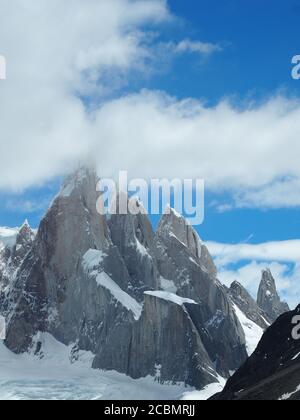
x=171, y=297
x=122, y=297
x=92, y=259
x=253, y=332
x=205, y=393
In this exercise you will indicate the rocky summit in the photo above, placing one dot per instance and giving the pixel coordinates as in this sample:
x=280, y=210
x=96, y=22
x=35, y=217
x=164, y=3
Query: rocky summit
x=144, y=302
x=244, y=301
x=268, y=299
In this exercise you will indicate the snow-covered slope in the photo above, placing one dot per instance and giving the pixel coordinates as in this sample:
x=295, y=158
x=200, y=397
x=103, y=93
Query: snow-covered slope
x=253, y=332
x=206, y=392
x=60, y=373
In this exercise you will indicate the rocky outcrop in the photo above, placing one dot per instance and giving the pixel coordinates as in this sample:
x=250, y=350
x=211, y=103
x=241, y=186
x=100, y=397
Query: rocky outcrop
x=166, y=323
x=185, y=266
x=134, y=237
x=13, y=253
x=130, y=296
x=173, y=228
x=52, y=292
x=268, y=299
x=244, y=301
x=273, y=371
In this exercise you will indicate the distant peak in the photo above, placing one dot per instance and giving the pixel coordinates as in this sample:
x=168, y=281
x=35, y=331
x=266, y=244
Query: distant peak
x=25, y=224
x=268, y=279
x=268, y=298
x=238, y=289
x=25, y=228
x=25, y=233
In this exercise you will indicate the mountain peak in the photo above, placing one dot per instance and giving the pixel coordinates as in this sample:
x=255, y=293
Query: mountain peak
x=268, y=298
x=25, y=233
x=171, y=211
x=174, y=227
x=83, y=177
x=241, y=297
x=25, y=224
x=238, y=290
x=268, y=284
x=174, y=223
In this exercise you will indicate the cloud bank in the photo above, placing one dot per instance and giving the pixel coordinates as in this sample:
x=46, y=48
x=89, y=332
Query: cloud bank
x=64, y=62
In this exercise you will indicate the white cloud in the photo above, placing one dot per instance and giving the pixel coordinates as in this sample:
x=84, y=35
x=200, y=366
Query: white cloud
x=196, y=47
x=26, y=206
x=283, y=251
x=228, y=147
x=56, y=50
x=281, y=193
x=244, y=263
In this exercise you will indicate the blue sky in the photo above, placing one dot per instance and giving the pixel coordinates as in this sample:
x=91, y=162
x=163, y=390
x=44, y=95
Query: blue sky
x=254, y=43
x=259, y=39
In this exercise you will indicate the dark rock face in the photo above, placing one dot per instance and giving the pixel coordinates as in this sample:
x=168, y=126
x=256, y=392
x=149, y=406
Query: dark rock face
x=134, y=237
x=174, y=229
x=165, y=324
x=184, y=260
x=239, y=295
x=268, y=299
x=273, y=371
x=51, y=292
x=143, y=303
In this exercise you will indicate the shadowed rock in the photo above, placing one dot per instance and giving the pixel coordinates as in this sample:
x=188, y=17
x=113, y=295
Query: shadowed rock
x=273, y=371
x=244, y=301
x=268, y=299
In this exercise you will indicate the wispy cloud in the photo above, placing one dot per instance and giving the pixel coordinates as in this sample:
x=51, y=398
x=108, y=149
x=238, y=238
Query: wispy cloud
x=25, y=206
x=196, y=47
x=284, y=251
x=244, y=262
x=284, y=193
